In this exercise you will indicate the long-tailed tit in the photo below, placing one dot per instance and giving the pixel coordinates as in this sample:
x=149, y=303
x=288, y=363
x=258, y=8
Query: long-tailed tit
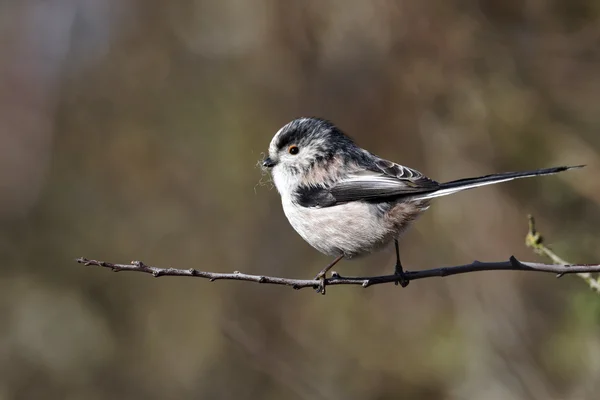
x=345, y=201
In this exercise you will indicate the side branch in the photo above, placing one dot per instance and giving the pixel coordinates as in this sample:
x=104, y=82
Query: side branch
x=511, y=265
x=535, y=240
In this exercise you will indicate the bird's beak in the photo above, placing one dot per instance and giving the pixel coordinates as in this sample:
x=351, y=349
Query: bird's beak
x=268, y=163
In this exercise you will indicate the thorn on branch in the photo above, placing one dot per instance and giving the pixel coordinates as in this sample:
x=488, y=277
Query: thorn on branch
x=515, y=263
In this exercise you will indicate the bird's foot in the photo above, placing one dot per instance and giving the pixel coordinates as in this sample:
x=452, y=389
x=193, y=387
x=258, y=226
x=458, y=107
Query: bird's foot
x=323, y=273
x=403, y=279
x=321, y=277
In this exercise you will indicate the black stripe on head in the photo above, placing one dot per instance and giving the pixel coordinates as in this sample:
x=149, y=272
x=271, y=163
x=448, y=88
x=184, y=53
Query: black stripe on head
x=302, y=131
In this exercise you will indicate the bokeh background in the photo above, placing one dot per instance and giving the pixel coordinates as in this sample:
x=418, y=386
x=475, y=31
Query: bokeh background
x=131, y=129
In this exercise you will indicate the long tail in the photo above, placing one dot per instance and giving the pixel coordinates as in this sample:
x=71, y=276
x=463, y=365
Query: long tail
x=471, y=183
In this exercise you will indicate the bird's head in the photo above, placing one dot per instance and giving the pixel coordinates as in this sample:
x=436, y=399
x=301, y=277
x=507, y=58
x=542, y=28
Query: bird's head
x=300, y=147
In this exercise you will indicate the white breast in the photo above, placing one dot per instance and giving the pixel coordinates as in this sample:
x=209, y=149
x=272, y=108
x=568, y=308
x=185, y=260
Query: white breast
x=352, y=228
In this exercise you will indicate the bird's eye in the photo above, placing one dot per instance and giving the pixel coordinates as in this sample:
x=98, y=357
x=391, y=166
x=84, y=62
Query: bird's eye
x=293, y=149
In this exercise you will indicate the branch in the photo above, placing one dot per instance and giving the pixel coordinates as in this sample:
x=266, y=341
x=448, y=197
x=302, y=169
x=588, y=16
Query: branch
x=511, y=265
x=535, y=241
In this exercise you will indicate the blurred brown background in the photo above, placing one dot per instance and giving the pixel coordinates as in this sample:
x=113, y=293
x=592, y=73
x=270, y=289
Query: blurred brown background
x=132, y=130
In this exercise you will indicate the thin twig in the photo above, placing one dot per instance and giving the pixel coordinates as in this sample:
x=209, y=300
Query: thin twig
x=511, y=265
x=535, y=240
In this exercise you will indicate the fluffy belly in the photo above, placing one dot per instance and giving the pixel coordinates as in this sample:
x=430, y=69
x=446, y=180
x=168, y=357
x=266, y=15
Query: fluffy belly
x=351, y=229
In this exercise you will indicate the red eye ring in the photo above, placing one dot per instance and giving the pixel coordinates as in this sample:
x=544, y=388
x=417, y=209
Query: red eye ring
x=293, y=149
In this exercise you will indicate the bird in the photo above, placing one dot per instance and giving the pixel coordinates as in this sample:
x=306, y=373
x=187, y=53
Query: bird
x=347, y=202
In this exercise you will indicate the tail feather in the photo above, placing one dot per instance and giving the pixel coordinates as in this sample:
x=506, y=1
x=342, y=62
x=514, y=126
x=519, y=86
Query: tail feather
x=471, y=183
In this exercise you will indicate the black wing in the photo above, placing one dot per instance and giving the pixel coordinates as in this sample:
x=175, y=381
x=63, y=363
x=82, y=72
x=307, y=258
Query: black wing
x=380, y=181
